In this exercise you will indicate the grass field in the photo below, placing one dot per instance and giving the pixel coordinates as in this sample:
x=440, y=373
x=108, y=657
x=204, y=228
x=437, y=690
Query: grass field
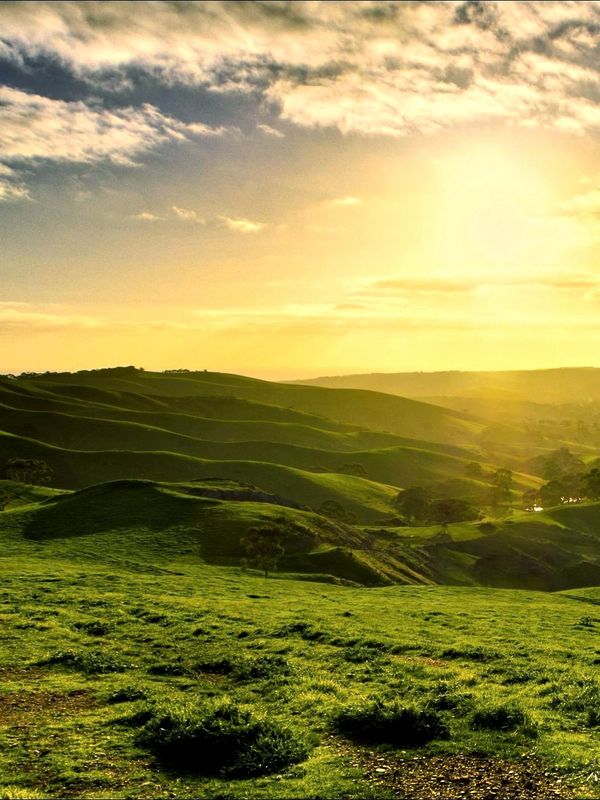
x=141, y=657
x=96, y=638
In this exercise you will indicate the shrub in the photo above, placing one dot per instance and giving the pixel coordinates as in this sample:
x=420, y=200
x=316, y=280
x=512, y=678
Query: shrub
x=90, y=663
x=390, y=722
x=447, y=697
x=126, y=694
x=220, y=738
x=582, y=697
x=507, y=717
x=94, y=628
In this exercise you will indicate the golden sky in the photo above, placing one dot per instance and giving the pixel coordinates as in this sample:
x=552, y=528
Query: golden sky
x=294, y=189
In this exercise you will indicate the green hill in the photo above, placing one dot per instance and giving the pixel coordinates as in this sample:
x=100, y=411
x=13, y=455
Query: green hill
x=366, y=409
x=563, y=385
x=393, y=465
x=365, y=499
x=132, y=519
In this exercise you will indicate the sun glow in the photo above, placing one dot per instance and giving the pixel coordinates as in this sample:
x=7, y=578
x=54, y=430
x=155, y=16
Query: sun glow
x=486, y=210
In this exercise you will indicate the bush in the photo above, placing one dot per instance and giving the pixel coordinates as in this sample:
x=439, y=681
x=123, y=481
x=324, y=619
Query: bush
x=391, y=723
x=94, y=628
x=126, y=694
x=505, y=717
x=90, y=663
x=220, y=738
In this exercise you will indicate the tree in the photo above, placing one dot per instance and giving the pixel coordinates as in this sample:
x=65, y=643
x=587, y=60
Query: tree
x=413, y=503
x=530, y=498
x=449, y=510
x=560, y=462
x=501, y=487
x=474, y=470
x=263, y=547
x=591, y=484
x=4, y=500
x=28, y=470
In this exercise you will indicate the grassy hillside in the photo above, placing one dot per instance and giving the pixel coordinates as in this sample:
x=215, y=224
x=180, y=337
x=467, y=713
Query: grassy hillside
x=129, y=617
x=397, y=465
x=76, y=469
x=105, y=632
x=541, y=386
x=556, y=550
x=369, y=410
x=203, y=520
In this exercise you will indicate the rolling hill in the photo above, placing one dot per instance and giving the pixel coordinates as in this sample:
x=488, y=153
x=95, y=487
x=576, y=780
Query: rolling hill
x=363, y=409
x=544, y=386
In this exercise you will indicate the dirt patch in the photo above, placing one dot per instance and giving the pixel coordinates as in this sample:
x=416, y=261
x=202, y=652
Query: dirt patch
x=17, y=706
x=19, y=673
x=455, y=777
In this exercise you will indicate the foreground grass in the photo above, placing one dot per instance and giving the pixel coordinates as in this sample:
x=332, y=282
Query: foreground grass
x=90, y=648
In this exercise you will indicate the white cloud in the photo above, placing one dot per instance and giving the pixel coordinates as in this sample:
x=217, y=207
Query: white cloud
x=269, y=131
x=346, y=201
x=370, y=68
x=188, y=215
x=147, y=216
x=34, y=127
x=11, y=187
x=241, y=225
x=442, y=284
x=14, y=316
x=586, y=204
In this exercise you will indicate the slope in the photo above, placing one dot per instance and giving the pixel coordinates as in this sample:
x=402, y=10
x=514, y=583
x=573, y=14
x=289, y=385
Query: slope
x=138, y=521
x=367, y=500
x=366, y=409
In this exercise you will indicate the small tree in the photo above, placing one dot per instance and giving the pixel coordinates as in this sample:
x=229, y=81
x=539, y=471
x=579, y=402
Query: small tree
x=531, y=497
x=263, y=547
x=474, y=470
x=591, y=484
x=500, y=491
x=413, y=503
x=4, y=500
x=449, y=510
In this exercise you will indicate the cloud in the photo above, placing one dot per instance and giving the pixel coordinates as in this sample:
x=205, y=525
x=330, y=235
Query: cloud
x=241, y=225
x=369, y=68
x=269, y=131
x=23, y=316
x=11, y=187
x=586, y=204
x=188, y=215
x=147, y=216
x=34, y=128
x=449, y=285
x=346, y=201
x=428, y=285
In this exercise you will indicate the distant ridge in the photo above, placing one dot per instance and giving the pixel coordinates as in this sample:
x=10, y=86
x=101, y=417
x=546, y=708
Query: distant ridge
x=556, y=385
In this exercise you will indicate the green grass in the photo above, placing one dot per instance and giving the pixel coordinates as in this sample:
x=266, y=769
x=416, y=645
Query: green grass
x=368, y=500
x=398, y=465
x=397, y=415
x=138, y=659
x=94, y=649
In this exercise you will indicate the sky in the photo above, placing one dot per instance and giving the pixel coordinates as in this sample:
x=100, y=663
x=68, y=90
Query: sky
x=293, y=189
